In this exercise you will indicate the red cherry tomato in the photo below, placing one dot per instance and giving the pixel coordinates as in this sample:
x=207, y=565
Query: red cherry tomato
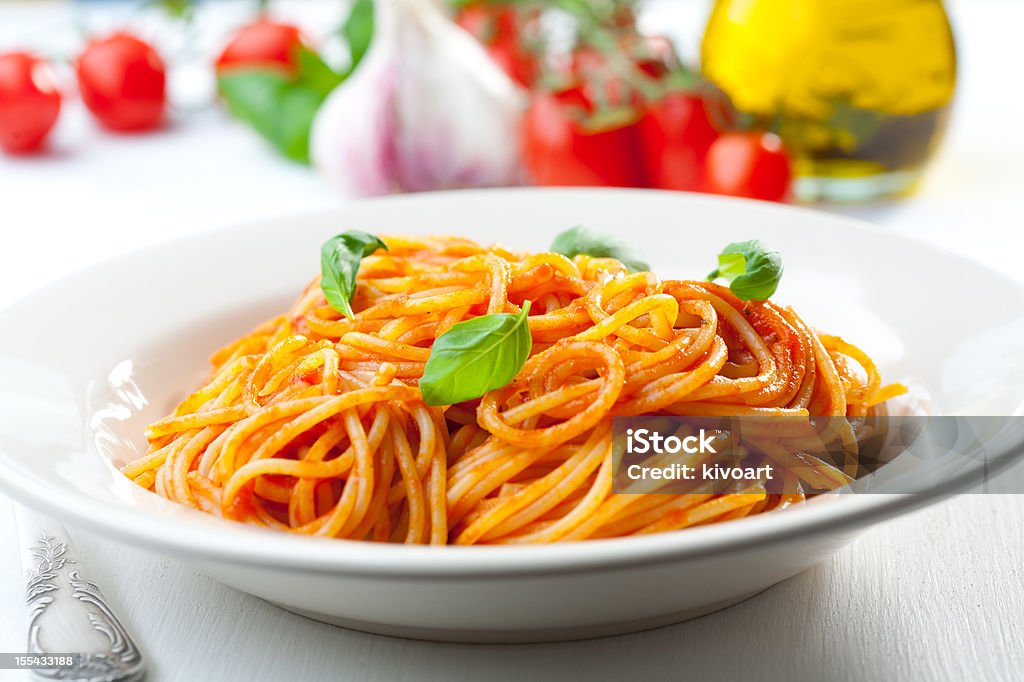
x=122, y=81
x=503, y=31
x=263, y=43
x=29, y=102
x=677, y=134
x=561, y=149
x=753, y=165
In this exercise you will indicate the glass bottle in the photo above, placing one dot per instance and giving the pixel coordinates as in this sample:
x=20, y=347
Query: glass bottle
x=860, y=90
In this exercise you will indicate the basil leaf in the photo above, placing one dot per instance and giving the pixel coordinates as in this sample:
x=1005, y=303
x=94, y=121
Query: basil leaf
x=252, y=96
x=313, y=72
x=358, y=30
x=340, y=257
x=298, y=107
x=278, y=106
x=476, y=356
x=752, y=270
x=579, y=240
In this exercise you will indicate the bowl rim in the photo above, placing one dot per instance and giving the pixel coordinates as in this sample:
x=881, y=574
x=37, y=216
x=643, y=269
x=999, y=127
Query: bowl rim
x=258, y=547
x=240, y=544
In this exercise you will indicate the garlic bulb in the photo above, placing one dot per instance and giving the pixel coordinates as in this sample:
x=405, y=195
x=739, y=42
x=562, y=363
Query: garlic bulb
x=425, y=109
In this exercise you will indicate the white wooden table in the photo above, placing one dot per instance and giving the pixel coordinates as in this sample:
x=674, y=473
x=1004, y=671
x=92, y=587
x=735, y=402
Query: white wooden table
x=938, y=595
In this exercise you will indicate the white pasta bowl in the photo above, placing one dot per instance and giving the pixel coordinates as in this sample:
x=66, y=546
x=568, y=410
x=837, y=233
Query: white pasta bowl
x=86, y=363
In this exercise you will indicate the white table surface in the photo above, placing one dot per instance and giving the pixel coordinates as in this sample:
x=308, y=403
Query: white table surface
x=938, y=595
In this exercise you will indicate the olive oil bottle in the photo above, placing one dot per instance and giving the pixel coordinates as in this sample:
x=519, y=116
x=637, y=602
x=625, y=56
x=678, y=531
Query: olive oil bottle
x=860, y=90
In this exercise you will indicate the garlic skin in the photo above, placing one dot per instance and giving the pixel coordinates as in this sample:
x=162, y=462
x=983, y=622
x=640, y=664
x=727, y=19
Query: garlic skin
x=426, y=109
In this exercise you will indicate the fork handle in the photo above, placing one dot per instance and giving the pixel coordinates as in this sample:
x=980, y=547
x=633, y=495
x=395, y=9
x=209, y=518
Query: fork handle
x=67, y=614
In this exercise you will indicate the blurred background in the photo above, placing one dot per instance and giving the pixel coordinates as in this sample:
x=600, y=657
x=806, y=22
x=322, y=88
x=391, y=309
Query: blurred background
x=122, y=123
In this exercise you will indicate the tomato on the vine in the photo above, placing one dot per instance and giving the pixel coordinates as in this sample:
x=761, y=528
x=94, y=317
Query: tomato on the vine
x=749, y=164
x=29, y=102
x=504, y=32
x=592, y=132
x=122, y=80
x=649, y=57
x=265, y=44
x=677, y=134
x=566, y=143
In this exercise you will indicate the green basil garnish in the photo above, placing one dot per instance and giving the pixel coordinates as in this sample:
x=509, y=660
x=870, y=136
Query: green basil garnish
x=579, y=241
x=752, y=270
x=340, y=257
x=476, y=356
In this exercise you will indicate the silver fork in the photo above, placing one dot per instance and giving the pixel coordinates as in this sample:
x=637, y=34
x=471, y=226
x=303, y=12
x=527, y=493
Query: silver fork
x=67, y=614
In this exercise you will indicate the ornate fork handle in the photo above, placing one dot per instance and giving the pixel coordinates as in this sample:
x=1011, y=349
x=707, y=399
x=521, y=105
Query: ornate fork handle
x=67, y=614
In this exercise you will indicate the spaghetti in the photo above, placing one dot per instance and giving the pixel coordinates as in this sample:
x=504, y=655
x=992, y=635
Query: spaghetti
x=313, y=423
